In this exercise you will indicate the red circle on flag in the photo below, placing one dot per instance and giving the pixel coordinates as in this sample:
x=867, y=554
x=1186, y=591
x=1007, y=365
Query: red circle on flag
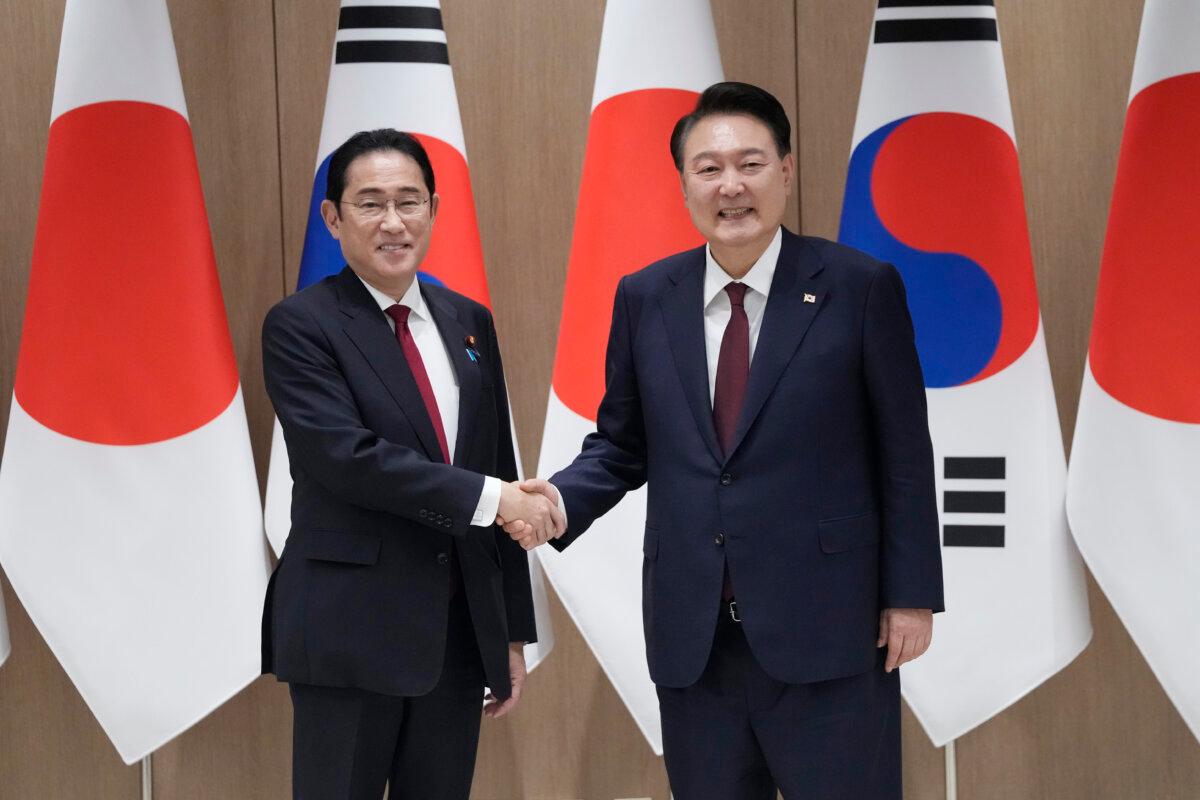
x=455, y=255
x=1145, y=348
x=630, y=214
x=125, y=339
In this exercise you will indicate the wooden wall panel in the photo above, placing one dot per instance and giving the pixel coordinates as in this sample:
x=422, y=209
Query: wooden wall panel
x=50, y=744
x=226, y=53
x=304, y=35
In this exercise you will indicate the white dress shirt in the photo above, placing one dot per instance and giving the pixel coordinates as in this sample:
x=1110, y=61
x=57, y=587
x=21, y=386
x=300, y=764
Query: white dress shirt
x=443, y=380
x=717, y=308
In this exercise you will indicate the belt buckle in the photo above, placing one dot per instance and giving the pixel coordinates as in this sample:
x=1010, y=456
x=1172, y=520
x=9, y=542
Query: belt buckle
x=733, y=611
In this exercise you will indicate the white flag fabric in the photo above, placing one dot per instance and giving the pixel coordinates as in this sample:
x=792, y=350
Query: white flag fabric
x=391, y=69
x=130, y=524
x=934, y=187
x=1133, y=495
x=656, y=56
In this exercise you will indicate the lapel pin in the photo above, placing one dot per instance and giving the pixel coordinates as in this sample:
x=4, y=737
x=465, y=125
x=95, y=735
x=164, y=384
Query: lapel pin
x=810, y=298
x=469, y=341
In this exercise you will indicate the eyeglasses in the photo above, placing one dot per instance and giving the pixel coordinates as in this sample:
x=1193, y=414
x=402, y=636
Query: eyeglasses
x=373, y=210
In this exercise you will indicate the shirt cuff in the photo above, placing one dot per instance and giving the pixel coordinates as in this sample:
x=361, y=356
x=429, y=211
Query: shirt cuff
x=489, y=503
x=562, y=507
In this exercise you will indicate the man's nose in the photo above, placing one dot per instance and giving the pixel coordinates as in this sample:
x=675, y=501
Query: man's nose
x=392, y=221
x=731, y=183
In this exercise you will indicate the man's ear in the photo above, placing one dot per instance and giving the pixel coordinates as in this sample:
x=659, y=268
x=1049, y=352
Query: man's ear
x=788, y=165
x=329, y=213
x=433, y=206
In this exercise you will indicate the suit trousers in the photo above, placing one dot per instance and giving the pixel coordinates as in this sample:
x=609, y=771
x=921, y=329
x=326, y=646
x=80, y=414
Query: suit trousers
x=347, y=743
x=739, y=734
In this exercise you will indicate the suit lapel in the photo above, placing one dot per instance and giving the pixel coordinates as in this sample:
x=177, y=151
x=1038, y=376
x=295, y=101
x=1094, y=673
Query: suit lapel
x=792, y=305
x=683, y=312
x=454, y=336
x=367, y=327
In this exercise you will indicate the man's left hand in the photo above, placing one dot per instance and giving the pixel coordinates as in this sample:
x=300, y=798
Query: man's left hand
x=907, y=633
x=495, y=708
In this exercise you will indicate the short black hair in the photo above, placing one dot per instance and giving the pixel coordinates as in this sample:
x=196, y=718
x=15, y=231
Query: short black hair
x=732, y=97
x=379, y=140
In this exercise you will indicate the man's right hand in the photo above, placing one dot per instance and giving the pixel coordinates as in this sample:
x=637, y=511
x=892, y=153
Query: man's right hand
x=530, y=517
x=527, y=535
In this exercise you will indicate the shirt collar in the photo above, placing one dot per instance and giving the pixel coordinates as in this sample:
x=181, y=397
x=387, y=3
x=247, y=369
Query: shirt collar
x=758, y=278
x=412, y=298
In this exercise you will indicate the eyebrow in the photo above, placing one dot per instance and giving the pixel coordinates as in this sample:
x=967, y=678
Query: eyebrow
x=378, y=190
x=749, y=151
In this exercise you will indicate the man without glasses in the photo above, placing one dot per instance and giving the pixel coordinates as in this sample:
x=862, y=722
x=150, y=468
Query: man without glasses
x=767, y=389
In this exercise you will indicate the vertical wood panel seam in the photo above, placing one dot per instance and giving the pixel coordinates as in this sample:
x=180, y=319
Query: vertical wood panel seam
x=279, y=151
x=796, y=105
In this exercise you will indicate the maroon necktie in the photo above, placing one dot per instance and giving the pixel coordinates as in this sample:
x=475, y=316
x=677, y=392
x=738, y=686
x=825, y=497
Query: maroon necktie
x=733, y=368
x=400, y=314
x=733, y=373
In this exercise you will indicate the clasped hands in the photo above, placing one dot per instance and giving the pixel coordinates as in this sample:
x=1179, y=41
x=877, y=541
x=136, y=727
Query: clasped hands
x=529, y=512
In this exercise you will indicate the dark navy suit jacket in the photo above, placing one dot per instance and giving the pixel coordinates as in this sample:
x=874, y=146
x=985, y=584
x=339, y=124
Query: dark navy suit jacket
x=361, y=594
x=825, y=506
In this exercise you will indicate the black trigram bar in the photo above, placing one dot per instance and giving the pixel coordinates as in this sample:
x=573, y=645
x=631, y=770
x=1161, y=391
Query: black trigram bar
x=948, y=29
x=390, y=17
x=372, y=52
x=974, y=468
x=973, y=502
x=973, y=536
x=911, y=3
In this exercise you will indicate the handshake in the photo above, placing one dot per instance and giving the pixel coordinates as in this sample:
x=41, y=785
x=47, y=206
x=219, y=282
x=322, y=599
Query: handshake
x=529, y=512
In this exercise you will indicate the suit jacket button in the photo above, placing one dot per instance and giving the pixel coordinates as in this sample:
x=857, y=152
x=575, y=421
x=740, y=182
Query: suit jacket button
x=726, y=479
x=443, y=558
x=446, y=523
x=719, y=539
x=424, y=514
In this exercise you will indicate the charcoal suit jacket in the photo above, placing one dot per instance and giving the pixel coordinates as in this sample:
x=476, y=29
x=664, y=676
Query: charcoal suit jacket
x=360, y=596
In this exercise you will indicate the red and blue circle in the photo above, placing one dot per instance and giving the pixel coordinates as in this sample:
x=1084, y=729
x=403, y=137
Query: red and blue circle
x=939, y=196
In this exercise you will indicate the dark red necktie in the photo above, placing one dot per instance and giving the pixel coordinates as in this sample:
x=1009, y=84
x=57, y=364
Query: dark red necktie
x=733, y=373
x=403, y=335
x=733, y=368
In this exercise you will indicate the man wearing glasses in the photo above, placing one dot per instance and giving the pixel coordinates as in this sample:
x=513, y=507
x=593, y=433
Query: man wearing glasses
x=397, y=599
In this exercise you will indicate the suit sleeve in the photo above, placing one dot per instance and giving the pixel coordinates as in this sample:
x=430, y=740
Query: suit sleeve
x=518, y=595
x=326, y=437
x=613, y=459
x=910, y=550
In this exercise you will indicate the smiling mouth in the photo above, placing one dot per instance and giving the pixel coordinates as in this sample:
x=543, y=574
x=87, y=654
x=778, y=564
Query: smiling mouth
x=395, y=248
x=734, y=213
